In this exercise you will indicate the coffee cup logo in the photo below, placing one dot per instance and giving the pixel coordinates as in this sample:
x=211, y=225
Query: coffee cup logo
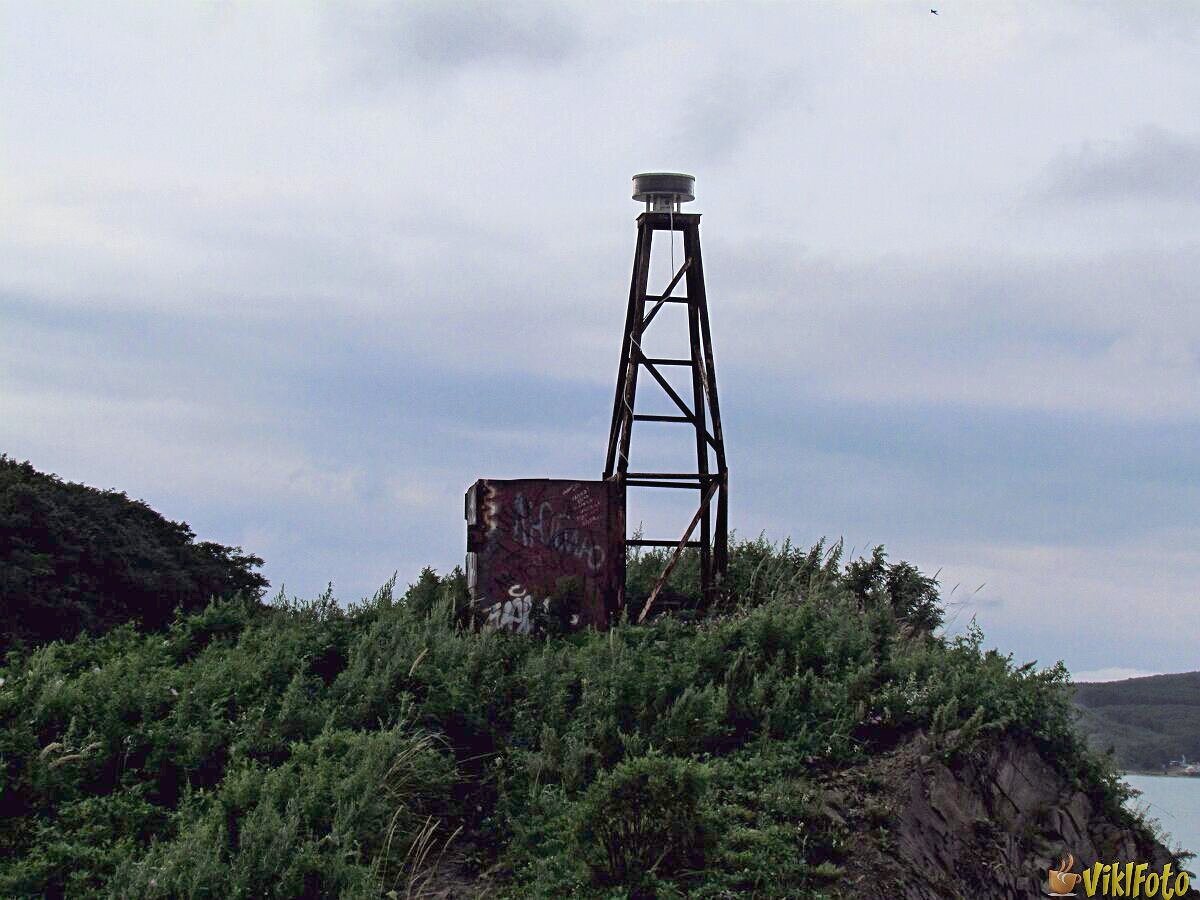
x=1062, y=880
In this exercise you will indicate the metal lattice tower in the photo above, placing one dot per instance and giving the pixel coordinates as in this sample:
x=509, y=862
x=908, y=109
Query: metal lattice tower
x=664, y=193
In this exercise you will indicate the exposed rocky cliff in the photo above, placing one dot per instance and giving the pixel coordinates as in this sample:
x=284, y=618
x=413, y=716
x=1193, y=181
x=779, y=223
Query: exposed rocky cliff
x=986, y=825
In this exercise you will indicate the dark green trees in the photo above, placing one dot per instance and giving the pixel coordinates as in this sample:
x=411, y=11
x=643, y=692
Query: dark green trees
x=73, y=558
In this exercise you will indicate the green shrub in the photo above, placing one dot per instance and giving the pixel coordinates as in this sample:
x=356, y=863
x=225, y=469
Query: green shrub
x=643, y=817
x=311, y=827
x=245, y=751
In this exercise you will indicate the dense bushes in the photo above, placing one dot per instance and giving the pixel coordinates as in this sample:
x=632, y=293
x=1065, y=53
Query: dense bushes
x=315, y=825
x=312, y=750
x=643, y=817
x=73, y=559
x=759, y=568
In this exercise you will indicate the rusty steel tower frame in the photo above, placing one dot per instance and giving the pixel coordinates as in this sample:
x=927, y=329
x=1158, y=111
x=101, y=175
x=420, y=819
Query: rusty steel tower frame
x=664, y=193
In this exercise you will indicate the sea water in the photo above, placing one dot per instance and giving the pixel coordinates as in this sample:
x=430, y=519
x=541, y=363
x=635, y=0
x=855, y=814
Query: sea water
x=1175, y=803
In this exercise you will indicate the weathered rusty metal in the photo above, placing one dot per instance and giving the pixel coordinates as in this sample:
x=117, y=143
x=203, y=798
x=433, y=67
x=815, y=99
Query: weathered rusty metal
x=665, y=296
x=678, y=551
x=556, y=547
x=545, y=545
x=663, y=193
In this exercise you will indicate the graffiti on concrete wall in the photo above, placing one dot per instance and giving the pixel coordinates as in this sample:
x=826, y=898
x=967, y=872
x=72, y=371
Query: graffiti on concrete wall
x=580, y=535
x=513, y=614
x=545, y=545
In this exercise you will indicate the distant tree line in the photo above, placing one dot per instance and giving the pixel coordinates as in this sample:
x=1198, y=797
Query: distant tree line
x=76, y=559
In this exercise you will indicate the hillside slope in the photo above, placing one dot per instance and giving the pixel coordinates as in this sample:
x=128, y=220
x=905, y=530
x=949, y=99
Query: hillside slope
x=1146, y=721
x=74, y=558
x=812, y=740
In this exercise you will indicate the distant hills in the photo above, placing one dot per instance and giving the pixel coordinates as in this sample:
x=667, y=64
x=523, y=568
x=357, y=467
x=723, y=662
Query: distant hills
x=1146, y=722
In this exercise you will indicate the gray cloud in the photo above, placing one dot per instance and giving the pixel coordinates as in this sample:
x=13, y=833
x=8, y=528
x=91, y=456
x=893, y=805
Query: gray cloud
x=303, y=316
x=723, y=112
x=1164, y=20
x=1109, y=334
x=1152, y=164
x=430, y=36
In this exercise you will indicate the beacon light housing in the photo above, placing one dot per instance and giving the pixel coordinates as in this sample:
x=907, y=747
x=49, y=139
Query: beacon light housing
x=664, y=191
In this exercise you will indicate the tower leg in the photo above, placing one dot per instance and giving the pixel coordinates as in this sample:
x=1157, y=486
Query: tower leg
x=696, y=291
x=699, y=404
x=618, y=444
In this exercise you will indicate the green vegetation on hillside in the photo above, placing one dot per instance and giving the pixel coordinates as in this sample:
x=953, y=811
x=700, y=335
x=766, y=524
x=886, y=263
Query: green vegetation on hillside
x=1147, y=722
x=307, y=750
x=73, y=558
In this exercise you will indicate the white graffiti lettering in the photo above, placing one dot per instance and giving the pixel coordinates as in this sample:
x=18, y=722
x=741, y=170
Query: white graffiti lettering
x=551, y=529
x=513, y=614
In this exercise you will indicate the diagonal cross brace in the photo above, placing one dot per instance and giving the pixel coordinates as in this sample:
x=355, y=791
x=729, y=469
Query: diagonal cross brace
x=670, y=391
x=678, y=551
x=666, y=295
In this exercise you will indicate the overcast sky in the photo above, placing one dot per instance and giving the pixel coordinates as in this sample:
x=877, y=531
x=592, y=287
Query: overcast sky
x=298, y=274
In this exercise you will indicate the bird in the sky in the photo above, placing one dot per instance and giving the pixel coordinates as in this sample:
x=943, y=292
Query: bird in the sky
x=934, y=11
